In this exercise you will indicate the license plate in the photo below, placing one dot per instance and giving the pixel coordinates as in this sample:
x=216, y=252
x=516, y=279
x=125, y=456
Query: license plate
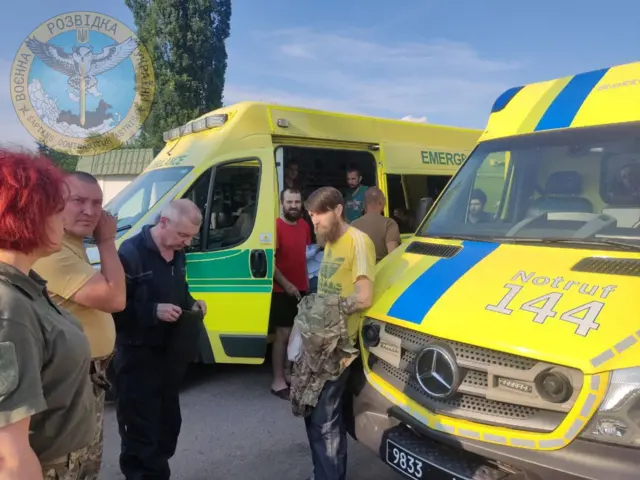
x=415, y=467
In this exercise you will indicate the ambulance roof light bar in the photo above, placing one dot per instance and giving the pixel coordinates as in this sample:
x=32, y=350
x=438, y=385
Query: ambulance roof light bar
x=205, y=123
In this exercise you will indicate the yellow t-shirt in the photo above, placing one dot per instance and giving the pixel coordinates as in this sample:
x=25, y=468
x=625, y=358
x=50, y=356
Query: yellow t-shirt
x=66, y=272
x=352, y=256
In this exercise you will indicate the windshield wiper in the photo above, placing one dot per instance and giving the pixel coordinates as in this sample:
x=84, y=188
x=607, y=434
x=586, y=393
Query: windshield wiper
x=572, y=241
x=463, y=237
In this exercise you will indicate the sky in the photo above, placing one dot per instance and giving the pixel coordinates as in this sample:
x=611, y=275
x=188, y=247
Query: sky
x=437, y=61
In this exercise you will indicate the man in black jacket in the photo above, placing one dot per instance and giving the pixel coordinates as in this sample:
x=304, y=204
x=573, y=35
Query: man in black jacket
x=149, y=363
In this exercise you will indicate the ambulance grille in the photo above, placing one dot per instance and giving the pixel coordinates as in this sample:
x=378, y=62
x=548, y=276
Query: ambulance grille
x=465, y=351
x=629, y=267
x=463, y=405
x=479, y=399
x=432, y=249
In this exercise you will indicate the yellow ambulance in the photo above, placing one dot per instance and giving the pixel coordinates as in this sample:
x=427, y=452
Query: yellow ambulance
x=504, y=338
x=232, y=163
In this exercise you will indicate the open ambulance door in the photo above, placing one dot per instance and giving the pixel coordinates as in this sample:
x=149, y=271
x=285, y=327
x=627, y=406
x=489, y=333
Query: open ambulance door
x=231, y=264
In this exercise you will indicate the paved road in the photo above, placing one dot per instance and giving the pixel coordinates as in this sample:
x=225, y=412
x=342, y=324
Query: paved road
x=233, y=428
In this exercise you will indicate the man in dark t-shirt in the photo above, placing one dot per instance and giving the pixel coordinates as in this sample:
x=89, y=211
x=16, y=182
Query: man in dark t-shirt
x=291, y=282
x=477, y=203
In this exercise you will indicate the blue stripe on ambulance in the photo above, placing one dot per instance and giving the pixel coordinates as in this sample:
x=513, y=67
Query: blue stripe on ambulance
x=564, y=108
x=416, y=301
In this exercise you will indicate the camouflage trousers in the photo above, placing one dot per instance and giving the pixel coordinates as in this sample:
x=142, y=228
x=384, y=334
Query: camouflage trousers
x=84, y=464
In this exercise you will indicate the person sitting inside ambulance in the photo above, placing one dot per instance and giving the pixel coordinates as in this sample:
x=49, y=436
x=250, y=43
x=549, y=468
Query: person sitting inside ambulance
x=476, y=213
x=402, y=218
x=222, y=231
x=246, y=219
x=627, y=187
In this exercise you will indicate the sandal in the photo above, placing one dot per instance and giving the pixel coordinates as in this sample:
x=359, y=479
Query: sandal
x=283, y=393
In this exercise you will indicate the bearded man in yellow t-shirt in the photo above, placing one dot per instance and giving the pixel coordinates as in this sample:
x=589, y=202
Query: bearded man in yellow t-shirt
x=348, y=270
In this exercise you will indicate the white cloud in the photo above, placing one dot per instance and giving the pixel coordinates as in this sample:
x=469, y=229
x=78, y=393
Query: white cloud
x=440, y=80
x=296, y=51
x=352, y=51
x=237, y=93
x=448, y=82
x=12, y=132
x=411, y=118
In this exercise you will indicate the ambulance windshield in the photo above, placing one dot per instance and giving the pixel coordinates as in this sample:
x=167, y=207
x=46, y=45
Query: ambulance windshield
x=578, y=187
x=132, y=203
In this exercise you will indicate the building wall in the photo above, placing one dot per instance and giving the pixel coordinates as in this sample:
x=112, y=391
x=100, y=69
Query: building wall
x=112, y=184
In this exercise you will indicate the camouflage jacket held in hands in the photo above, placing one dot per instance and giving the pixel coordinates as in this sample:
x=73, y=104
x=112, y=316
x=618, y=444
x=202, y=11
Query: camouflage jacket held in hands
x=326, y=348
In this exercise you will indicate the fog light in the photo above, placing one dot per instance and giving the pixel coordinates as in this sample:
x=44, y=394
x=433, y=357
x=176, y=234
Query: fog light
x=554, y=387
x=371, y=334
x=609, y=428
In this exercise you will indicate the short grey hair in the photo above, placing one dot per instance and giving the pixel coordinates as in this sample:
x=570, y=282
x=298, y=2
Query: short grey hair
x=84, y=176
x=183, y=208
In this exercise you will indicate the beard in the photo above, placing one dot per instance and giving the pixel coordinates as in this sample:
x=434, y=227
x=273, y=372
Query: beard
x=331, y=234
x=320, y=240
x=292, y=215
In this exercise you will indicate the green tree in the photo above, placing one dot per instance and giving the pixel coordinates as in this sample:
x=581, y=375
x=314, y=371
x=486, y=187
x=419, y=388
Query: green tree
x=64, y=160
x=186, y=42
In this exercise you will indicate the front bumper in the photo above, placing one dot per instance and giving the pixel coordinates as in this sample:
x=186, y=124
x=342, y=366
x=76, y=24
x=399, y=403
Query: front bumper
x=376, y=419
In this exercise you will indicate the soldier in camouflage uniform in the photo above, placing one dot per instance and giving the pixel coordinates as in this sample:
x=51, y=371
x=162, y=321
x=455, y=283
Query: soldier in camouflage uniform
x=329, y=330
x=46, y=398
x=79, y=465
x=85, y=463
x=90, y=295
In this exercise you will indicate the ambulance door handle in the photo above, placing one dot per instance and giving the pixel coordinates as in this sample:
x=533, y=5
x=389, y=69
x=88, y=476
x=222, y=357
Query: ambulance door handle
x=258, y=263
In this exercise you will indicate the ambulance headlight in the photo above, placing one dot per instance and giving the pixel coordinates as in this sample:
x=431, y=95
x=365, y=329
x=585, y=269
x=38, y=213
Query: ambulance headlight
x=618, y=418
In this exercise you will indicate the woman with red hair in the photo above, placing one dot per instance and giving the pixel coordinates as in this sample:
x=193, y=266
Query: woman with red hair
x=46, y=399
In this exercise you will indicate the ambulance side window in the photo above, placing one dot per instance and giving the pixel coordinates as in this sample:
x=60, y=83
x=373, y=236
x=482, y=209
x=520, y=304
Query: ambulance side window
x=234, y=204
x=410, y=197
x=490, y=181
x=198, y=194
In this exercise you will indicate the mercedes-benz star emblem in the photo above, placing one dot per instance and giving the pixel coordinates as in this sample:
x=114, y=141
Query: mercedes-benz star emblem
x=437, y=371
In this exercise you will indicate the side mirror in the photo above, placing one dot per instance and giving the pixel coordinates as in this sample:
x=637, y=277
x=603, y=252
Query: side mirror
x=423, y=208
